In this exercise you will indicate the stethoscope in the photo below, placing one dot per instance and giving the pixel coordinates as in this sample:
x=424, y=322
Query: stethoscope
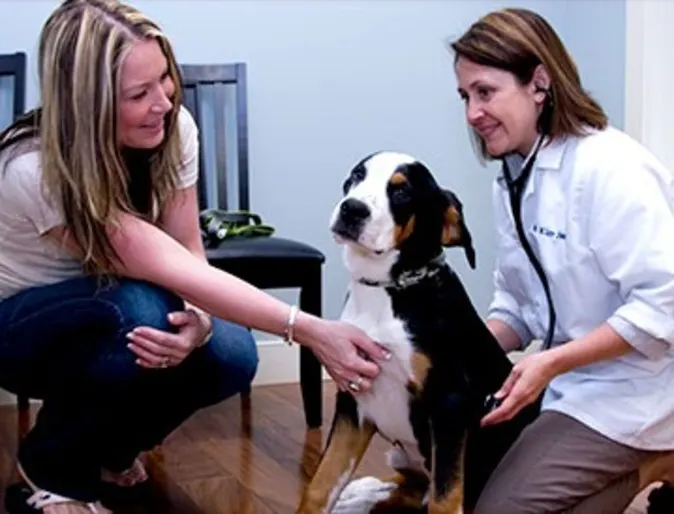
x=516, y=189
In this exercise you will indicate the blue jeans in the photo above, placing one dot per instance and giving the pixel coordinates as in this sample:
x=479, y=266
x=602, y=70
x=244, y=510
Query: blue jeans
x=66, y=344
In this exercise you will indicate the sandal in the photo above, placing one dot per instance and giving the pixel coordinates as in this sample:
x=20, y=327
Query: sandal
x=218, y=225
x=27, y=498
x=136, y=474
x=119, y=489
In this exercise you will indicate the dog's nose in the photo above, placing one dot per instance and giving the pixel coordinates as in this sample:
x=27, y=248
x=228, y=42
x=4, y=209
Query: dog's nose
x=354, y=210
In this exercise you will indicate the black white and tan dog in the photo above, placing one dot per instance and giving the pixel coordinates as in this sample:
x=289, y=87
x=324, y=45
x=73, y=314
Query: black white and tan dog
x=394, y=222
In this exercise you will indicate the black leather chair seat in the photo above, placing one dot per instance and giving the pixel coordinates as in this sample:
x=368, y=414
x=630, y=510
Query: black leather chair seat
x=267, y=262
x=263, y=248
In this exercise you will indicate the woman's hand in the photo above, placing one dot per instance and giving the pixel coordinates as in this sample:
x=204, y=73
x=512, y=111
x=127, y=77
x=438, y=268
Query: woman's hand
x=160, y=349
x=523, y=386
x=348, y=354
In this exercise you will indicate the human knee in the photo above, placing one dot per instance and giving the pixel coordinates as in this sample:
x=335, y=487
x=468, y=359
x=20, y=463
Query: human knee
x=132, y=303
x=144, y=303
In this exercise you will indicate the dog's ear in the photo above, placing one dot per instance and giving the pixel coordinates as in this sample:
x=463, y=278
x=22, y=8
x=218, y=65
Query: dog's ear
x=455, y=232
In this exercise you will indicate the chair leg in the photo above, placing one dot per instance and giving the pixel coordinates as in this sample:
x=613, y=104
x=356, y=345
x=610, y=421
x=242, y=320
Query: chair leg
x=24, y=403
x=311, y=380
x=311, y=383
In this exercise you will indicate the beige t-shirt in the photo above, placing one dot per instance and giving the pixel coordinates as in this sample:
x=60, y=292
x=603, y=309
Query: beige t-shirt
x=27, y=257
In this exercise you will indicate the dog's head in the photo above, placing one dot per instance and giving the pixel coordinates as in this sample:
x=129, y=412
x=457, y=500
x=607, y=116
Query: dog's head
x=393, y=209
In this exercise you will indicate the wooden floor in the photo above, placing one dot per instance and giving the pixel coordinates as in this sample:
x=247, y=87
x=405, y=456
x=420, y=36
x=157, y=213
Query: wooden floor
x=243, y=456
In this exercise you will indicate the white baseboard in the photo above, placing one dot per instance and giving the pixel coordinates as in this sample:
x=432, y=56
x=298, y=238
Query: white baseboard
x=279, y=364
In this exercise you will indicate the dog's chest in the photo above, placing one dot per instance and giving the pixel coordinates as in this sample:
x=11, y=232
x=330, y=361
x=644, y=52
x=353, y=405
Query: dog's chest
x=387, y=402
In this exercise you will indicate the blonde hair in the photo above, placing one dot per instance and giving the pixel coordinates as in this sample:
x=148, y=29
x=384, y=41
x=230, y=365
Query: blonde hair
x=82, y=46
x=518, y=41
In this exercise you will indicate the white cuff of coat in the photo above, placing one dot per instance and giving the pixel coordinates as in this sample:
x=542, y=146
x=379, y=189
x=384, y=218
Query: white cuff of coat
x=642, y=341
x=513, y=322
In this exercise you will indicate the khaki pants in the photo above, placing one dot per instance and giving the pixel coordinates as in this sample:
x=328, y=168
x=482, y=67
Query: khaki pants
x=556, y=464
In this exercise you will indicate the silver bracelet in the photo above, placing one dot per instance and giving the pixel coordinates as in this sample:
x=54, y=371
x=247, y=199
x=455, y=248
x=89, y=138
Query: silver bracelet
x=289, y=332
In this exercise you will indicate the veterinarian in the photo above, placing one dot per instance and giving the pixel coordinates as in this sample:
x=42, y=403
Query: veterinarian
x=108, y=310
x=596, y=215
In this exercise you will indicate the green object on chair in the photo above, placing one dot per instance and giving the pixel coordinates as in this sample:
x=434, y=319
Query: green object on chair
x=218, y=225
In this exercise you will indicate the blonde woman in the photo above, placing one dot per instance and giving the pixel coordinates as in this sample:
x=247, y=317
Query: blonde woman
x=596, y=213
x=108, y=309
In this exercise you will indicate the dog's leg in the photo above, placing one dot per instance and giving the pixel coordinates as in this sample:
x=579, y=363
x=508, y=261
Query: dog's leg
x=401, y=493
x=345, y=447
x=411, y=487
x=449, y=419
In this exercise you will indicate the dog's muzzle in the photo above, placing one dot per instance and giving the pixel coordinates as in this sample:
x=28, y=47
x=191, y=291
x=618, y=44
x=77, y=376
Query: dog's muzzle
x=352, y=216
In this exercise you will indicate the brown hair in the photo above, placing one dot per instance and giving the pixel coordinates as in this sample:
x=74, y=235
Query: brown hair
x=82, y=46
x=517, y=41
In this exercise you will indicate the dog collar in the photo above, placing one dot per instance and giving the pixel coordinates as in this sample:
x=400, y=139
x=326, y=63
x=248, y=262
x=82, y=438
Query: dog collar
x=411, y=277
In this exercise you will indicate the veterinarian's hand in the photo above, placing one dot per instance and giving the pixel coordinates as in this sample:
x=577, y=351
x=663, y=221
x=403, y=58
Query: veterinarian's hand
x=348, y=354
x=525, y=383
x=159, y=349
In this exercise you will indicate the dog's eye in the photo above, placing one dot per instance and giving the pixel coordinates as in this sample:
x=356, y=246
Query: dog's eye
x=358, y=174
x=355, y=177
x=400, y=194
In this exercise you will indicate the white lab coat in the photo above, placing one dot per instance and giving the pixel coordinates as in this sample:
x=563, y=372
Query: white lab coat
x=598, y=212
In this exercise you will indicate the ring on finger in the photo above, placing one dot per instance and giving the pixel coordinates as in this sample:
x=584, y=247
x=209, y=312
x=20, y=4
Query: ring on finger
x=164, y=362
x=355, y=386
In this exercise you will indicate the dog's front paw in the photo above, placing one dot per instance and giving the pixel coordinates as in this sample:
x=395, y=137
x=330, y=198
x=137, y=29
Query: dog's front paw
x=360, y=495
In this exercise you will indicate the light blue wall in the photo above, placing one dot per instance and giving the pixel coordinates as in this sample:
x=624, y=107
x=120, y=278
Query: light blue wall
x=330, y=81
x=594, y=31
